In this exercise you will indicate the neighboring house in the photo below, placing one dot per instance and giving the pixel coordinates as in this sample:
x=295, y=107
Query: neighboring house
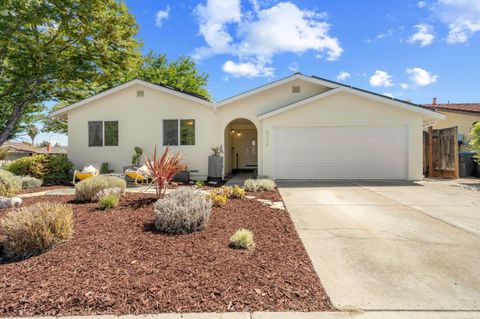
x=17, y=150
x=300, y=127
x=462, y=115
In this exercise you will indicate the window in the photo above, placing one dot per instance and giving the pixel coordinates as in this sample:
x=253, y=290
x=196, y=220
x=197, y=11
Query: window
x=111, y=133
x=175, y=131
x=95, y=134
x=187, y=132
x=170, y=132
x=103, y=133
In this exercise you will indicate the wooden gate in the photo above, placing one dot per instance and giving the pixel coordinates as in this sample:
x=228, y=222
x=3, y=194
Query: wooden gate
x=440, y=149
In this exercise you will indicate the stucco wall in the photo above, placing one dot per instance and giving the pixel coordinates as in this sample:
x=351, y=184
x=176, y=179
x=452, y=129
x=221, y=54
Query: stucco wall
x=463, y=121
x=140, y=124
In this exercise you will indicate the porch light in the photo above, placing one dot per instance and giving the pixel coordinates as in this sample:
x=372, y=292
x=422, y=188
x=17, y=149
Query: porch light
x=232, y=131
x=239, y=134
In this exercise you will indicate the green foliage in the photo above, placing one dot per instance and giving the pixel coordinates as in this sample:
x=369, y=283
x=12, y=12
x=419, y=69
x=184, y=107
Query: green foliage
x=88, y=189
x=60, y=50
x=105, y=168
x=475, y=140
x=184, y=210
x=242, y=239
x=181, y=74
x=36, y=229
x=32, y=132
x=9, y=184
x=3, y=153
x=30, y=182
x=259, y=185
x=30, y=165
x=108, y=201
x=137, y=155
x=43, y=144
x=238, y=192
x=199, y=183
x=52, y=169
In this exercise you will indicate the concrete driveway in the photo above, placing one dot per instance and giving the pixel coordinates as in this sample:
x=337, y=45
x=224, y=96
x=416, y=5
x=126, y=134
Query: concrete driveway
x=383, y=245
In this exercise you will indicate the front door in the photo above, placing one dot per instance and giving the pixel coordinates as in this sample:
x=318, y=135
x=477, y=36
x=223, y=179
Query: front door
x=251, y=159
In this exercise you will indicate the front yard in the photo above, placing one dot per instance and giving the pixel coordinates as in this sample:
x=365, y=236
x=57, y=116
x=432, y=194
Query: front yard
x=117, y=263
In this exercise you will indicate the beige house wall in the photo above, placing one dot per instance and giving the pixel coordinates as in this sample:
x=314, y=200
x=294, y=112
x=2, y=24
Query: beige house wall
x=463, y=121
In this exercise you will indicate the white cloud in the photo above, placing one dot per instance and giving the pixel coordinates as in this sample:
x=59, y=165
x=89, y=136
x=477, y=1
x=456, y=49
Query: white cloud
x=161, y=16
x=258, y=36
x=421, y=4
x=404, y=86
x=421, y=77
x=247, y=69
x=382, y=35
x=381, y=78
x=293, y=67
x=424, y=35
x=461, y=16
x=343, y=76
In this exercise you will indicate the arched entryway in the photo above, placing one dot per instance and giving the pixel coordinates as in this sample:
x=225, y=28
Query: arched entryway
x=241, y=146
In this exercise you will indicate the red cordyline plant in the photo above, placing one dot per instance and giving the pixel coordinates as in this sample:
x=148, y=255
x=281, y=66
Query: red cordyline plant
x=163, y=169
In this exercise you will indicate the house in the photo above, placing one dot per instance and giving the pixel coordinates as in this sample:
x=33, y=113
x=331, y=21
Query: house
x=299, y=127
x=17, y=150
x=461, y=115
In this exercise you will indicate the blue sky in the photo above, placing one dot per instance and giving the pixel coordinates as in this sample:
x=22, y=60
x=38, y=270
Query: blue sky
x=412, y=50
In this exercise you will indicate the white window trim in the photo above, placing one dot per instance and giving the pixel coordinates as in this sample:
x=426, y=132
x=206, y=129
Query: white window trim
x=179, y=132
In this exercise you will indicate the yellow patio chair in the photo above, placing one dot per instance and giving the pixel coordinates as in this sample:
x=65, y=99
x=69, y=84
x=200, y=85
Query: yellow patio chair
x=139, y=176
x=79, y=175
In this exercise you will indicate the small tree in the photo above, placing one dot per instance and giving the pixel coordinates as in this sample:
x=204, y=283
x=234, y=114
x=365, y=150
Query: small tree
x=137, y=154
x=475, y=140
x=32, y=132
x=163, y=169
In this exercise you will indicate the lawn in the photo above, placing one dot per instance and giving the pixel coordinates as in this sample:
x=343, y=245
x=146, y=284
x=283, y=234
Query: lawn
x=116, y=263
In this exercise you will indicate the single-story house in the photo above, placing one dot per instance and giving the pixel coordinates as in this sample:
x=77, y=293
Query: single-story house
x=299, y=127
x=461, y=115
x=17, y=150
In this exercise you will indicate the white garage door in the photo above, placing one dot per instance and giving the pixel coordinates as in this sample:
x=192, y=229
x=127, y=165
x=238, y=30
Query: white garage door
x=360, y=152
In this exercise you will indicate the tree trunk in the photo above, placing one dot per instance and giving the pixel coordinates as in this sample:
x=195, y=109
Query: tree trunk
x=14, y=118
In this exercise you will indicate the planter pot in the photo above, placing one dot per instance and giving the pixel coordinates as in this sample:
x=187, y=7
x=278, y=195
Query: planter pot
x=181, y=177
x=215, y=167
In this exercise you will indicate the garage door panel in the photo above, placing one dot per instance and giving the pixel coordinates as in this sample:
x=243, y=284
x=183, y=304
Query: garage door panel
x=341, y=152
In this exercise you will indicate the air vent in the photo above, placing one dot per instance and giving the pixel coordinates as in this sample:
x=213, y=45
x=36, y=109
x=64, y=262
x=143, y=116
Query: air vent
x=140, y=93
x=295, y=89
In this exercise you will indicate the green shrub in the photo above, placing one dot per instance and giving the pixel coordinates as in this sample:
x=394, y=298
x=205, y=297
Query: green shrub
x=108, y=201
x=35, y=229
x=242, y=239
x=9, y=184
x=88, y=189
x=184, y=210
x=475, y=140
x=259, y=185
x=199, y=183
x=30, y=182
x=52, y=169
x=58, y=170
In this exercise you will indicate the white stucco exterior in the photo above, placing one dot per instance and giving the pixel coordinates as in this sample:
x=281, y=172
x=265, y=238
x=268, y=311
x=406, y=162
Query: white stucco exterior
x=140, y=120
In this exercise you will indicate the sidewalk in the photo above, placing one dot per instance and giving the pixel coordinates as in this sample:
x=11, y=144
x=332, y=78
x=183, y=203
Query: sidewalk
x=298, y=315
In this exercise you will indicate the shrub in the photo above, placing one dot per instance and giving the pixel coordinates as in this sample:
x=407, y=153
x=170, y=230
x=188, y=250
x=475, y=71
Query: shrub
x=199, y=183
x=237, y=192
x=242, y=239
x=108, y=201
x=163, y=169
x=218, y=200
x=117, y=191
x=87, y=189
x=30, y=182
x=52, y=169
x=259, y=185
x=35, y=229
x=475, y=140
x=30, y=165
x=185, y=210
x=9, y=184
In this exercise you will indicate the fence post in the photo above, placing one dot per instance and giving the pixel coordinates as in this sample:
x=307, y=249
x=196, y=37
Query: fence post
x=430, y=151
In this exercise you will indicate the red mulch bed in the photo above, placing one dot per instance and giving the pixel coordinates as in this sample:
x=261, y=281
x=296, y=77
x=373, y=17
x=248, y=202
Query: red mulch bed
x=40, y=189
x=117, y=264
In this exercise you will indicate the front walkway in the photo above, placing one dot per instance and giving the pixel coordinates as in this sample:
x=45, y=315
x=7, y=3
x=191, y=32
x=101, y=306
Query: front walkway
x=239, y=179
x=383, y=245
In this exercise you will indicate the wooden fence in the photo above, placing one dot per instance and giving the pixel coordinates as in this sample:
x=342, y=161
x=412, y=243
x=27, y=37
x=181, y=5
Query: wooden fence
x=440, y=152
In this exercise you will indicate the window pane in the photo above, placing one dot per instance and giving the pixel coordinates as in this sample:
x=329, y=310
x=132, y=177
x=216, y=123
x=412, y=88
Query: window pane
x=170, y=132
x=187, y=132
x=95, y=137
x=111, y=133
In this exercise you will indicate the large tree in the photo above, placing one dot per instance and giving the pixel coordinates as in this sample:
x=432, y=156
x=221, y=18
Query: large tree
x=60, y=50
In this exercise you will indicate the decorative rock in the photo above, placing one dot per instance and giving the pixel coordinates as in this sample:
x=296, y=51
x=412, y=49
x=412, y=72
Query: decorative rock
x=249, y=197
x=7, y=202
